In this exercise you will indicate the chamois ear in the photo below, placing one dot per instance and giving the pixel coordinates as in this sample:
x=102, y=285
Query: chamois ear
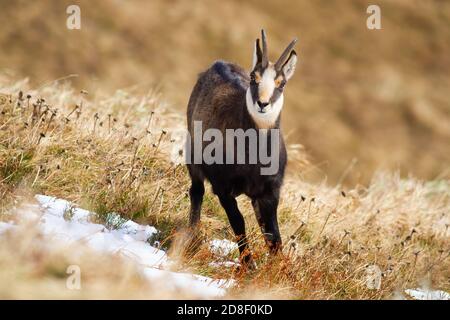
x=257, y=54
x=289, y=66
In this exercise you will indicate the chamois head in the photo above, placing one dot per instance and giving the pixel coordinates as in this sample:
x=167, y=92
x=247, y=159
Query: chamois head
x=267, y=80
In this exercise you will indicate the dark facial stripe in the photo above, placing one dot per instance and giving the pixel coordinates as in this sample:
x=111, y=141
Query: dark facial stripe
x=276, y=94
x=254, y=92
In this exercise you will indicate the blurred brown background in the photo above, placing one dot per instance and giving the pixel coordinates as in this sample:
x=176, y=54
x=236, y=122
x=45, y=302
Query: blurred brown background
x=380, y=97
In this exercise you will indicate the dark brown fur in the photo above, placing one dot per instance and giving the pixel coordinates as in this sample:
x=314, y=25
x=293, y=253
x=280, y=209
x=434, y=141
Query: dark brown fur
x=218, y=100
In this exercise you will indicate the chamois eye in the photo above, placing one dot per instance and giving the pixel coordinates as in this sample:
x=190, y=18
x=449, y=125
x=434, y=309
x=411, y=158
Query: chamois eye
x=280, y=82
x=280, y=85
x=255, y=77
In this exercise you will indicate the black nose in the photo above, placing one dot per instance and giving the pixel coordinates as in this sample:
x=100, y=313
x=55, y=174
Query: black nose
x=262, y=105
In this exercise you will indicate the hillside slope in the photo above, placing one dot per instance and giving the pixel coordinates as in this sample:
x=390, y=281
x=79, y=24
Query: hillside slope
x=380, y=97
x=111, y=154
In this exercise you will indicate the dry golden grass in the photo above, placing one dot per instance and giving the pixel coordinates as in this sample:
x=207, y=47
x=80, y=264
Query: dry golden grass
x=110, y=154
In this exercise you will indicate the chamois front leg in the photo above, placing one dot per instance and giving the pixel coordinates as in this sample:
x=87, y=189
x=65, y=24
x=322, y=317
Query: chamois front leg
x=266, y=214
x=196, y=193
x=237, y=222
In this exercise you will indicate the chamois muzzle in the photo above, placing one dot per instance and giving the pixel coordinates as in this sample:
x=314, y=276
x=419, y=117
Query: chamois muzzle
x=262, y=106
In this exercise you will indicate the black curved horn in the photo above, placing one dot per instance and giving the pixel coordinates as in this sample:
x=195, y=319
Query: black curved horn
x=265, y=59
x=284, y=55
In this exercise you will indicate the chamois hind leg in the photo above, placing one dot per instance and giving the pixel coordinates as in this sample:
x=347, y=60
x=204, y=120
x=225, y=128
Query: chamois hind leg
x=266, y=214
x=237, y=222
x=196, y=193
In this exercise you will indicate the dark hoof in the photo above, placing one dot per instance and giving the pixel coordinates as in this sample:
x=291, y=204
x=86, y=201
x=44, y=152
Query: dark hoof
x=247, y=264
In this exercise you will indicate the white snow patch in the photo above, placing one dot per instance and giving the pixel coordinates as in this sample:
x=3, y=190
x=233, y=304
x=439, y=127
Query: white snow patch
x=62, y=221
x=226, y=264
x=222, y=248
x=195, y=283
x=425, y=294
x=5, y=226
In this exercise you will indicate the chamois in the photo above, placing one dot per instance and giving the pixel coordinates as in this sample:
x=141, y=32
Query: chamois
x=227, y=97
